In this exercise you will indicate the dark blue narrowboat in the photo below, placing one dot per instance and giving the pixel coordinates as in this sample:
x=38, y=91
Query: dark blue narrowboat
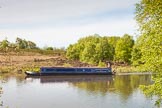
x=71, y=71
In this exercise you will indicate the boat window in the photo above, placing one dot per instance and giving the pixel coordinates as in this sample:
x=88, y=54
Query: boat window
x=71, y=69
x=50, y=69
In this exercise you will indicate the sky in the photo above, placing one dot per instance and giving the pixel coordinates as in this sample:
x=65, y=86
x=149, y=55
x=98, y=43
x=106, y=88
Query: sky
x=58, y=23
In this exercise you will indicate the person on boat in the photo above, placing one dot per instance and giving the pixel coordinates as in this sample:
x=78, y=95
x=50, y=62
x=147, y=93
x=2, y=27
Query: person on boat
x=108, y=64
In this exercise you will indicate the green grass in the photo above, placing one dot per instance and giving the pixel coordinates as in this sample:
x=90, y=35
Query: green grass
x=67, y=65
x=124, y=69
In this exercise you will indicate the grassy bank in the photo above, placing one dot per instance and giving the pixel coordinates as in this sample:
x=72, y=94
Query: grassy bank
x=16, y=63
x=127, y=69
x=19, y=70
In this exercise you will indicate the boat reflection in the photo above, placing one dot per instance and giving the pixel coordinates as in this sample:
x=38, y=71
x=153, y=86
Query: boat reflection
x=74, y=78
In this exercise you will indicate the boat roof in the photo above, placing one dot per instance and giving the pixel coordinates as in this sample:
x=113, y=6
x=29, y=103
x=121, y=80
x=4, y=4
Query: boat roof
x=69, y=67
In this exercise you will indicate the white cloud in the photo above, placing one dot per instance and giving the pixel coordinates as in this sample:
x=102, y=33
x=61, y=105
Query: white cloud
x=30, y=11
x=61, y=22
x=66, y=35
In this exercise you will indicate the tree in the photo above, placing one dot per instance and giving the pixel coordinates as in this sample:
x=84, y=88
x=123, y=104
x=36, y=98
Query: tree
x=49, y=48
x=84, y=49
x=148, y=16
x=136, y=56
x=123, y=49
x=72, y=52
x=31, y=45
x=113, y=41
x=104, y=50
x=21, y=44
x=4, y=44
x=88, y=54
x=96, y=49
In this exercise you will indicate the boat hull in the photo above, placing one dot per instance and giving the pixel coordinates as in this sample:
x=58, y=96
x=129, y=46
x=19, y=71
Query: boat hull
x=70, y=71
x=46, y=74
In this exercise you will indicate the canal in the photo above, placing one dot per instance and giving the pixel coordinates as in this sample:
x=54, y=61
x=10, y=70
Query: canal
x=119, y=91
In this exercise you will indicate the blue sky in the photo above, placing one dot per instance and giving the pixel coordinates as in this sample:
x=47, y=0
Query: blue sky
x=59, y=23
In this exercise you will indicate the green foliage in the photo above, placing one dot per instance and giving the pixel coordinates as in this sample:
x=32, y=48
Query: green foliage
x=93, y=49
x=155, y=89
x=136, y=56
x=67, y=65
x=123, y=49
x=31, y=68
x=31, y=45
x=72, y=52
x=101, y=64
x=4, y=44
x=113, y=41
x=49, y=48
x=23, y=44
x=19, y=44
x=89, y=54
x=148, y=16
x=150, y=42
x=104, y=50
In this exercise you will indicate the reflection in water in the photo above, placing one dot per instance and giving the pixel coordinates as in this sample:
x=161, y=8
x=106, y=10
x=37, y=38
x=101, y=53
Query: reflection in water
x=80, y=78
x=77, y=91
x=90, y=83
x=124, y=85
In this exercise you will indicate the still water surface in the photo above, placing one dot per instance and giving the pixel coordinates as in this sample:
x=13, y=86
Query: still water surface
x=120, y=91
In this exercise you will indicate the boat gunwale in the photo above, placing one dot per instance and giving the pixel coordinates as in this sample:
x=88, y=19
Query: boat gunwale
x=79, y=67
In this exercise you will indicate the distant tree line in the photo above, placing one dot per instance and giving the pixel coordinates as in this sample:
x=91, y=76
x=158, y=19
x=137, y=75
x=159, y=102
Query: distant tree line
x=19, y=44
x=28, y=46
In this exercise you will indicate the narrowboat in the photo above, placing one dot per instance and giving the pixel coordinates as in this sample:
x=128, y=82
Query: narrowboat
x=71, y=71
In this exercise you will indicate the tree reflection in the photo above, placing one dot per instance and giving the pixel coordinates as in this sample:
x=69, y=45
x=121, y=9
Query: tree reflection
x=101, y=86
x=125, y=85
x=122, y=84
